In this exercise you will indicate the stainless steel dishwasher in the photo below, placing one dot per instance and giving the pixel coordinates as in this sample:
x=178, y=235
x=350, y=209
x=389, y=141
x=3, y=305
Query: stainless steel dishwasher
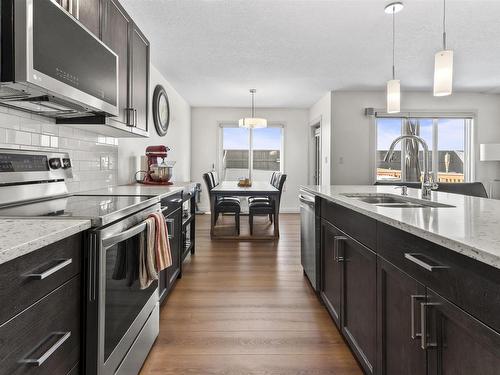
x=308, y=232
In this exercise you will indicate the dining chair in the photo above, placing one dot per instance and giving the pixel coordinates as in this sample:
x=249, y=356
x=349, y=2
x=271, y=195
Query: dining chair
x=256, y=207
x=222, y=204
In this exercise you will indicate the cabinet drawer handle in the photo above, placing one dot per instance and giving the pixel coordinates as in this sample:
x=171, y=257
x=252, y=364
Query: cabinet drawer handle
x=414, y=298
x=419, y=259
x=337, y=240
x=39, y=361
x=40, y=276
x=425, y=344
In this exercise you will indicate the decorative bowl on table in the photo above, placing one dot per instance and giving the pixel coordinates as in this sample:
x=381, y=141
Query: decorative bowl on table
x=245, y=182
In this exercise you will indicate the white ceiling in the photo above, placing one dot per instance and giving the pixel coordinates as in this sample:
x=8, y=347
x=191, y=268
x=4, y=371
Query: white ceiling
x=293, y=51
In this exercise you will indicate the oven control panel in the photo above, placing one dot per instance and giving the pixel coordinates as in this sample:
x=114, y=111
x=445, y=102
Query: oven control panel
x=24, y=166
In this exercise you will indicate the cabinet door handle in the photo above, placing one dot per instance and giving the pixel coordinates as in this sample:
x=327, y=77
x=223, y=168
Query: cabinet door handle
x=419, y=260
x=40, y=360
x=425, y=344
x=337, y=240
x=414, y=298
x=130, y=117
x=172, y=230
x=135, y=117
x=40, y=276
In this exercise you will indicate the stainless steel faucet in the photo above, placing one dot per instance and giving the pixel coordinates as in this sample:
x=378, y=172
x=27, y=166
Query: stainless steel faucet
x=427, y=182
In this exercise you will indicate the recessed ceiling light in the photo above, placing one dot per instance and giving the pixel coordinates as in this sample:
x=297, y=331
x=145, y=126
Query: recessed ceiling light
x=393, y=8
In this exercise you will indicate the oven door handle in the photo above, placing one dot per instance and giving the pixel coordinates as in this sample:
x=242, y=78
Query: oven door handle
x=125, y=235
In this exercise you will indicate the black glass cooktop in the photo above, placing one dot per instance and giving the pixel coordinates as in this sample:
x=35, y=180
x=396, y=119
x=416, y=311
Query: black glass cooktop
x=100, y=209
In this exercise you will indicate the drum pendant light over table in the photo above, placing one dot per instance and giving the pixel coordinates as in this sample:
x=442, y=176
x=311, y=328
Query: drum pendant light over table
x=253, y=122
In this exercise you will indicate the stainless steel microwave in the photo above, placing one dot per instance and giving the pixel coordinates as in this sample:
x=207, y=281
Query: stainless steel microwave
x=52, y=65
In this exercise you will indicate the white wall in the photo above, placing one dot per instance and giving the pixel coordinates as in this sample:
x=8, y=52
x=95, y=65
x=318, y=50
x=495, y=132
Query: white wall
x=321, y=112
x=178, y=137
x=204, y=144
x=351, y=151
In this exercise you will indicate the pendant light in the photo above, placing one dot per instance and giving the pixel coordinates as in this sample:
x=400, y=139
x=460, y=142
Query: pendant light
x=393, y=85
x=253, y=122
x=443, y=65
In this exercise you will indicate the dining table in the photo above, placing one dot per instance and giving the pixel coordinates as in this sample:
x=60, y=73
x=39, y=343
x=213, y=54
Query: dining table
x=257, y=189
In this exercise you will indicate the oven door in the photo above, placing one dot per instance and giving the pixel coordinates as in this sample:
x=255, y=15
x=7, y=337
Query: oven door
x=121, y=308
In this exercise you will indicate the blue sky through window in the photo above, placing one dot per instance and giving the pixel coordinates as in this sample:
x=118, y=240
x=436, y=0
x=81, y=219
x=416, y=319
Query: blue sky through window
x=263, y=139
x=451, y=133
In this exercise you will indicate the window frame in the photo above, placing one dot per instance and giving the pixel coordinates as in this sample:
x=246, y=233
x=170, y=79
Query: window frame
x=232, y=124
x=470, y=119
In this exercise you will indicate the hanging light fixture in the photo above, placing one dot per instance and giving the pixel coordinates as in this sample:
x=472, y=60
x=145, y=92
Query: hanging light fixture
x=443, y=65
x=393, y=85
x=253, y=122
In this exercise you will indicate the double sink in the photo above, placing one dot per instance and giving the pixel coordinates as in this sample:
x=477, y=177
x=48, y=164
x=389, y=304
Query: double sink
x=394, y=201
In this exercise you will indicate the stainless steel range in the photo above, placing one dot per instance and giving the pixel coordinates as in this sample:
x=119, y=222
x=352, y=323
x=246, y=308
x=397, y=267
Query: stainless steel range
x=121, y=320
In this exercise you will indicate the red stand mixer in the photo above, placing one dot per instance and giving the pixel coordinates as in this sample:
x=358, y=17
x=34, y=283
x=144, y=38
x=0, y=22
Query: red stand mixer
x=159, y=170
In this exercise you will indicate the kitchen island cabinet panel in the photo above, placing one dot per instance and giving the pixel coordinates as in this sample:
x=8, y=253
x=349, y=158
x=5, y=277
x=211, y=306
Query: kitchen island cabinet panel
x=472, y=285
x=358, y=226
x=398, y=301
x=458, y=343
x=358, y=315
x=331, y=286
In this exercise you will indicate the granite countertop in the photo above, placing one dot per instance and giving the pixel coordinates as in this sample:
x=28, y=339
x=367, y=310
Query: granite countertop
x=471, y=227
x=161, y=191
x=22, y=236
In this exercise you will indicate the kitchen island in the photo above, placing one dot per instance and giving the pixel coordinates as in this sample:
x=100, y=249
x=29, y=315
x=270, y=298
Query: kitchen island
x=413, y=289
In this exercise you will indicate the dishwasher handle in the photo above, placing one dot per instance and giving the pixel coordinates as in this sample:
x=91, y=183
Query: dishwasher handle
x=306, y=199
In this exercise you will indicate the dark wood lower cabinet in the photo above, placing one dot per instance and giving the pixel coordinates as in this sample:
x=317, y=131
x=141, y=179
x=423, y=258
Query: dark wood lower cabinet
x=348, y=289
x=458, y=344
x=45, y=338
x=169, y=275
x=399, y=315
x=398, y=322
x=331, y=286
x=358, y=316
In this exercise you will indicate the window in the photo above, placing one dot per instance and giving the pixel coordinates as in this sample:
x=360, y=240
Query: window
x=254, y=153
x=448, y=139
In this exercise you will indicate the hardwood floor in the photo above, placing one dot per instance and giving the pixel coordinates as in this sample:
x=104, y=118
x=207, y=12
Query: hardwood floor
x=246, y=308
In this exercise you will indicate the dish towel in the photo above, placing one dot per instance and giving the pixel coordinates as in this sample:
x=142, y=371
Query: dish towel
x=162, y=248
x=147, y=255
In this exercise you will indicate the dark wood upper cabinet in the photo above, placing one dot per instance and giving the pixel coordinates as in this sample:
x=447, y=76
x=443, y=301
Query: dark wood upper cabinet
x=398, y=322
x=117, y=27
x=359, y=306
x=124, y=37
x=89, y=14
x=331, y=285
x=458, y=344
x=140, y=79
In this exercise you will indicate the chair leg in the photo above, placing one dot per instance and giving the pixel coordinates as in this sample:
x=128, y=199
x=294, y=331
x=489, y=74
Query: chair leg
x=250, y=220
x=271, y=218
x=237, y=218
x=216, y=217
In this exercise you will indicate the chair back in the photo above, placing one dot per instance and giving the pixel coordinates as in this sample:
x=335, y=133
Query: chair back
x=281, y=183
x=209, y=182
x=273, y=178
x=215, y=178
x=474, y=189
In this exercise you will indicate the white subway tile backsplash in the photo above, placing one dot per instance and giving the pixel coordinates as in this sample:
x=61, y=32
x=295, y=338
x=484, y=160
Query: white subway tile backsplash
x=18, y=137
x=94, y=158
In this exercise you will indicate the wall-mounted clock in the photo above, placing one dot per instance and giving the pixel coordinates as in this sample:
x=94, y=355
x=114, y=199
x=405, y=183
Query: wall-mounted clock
x=161, y=110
